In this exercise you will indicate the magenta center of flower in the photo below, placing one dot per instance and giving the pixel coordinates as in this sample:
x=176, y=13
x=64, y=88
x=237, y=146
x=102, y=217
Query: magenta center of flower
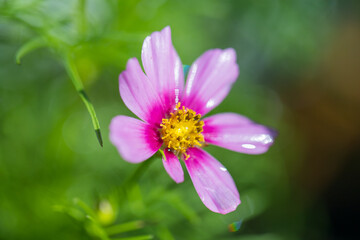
x=183, y=129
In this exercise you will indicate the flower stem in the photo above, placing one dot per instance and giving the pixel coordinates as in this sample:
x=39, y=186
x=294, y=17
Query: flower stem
x=136, y=175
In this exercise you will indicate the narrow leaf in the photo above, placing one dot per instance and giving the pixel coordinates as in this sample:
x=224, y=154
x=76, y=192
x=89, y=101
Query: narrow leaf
x=29, y=47
x=75, y=78
x=124, y=227
x=142, y=237
x=91, y=214
x=81, y=16
x=163, y=233
x=96, y=230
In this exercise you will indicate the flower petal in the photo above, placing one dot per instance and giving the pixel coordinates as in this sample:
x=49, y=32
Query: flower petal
x=173, y=167
x=237, y=133
x=209, y=79
x=139, y=95
x=135, y=140
x=163, y=66
x=212, y=182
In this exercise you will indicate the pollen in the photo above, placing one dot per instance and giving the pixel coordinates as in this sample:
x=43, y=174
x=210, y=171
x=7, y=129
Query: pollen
x=183, y=129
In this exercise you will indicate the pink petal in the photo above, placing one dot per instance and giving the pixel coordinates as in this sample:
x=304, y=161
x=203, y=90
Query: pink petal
x=210, y=79
x=212, y=182
x=135, y=140
x=163, y=66
x=139, y=95
x=237, y=133
x=173, y=167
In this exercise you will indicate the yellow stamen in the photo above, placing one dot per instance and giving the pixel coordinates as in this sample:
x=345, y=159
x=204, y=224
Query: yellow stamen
x=183, y=129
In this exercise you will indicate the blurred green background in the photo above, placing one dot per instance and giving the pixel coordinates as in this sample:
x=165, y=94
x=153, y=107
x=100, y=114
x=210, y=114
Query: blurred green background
x=299, y=73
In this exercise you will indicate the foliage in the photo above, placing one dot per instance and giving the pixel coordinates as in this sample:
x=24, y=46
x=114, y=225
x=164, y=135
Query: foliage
x=57, y=183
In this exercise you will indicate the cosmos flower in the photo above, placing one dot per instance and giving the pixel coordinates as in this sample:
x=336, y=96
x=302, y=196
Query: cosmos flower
x=171, y=114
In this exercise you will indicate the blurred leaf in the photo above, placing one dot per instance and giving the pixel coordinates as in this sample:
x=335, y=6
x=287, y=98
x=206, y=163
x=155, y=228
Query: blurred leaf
x=95, y=230
x=143, y=237
x=163, y=233
x=88, y=210
x=81, y=17
x=72, y=212
x=124, y=227
x=267, y=236
x=29, y=47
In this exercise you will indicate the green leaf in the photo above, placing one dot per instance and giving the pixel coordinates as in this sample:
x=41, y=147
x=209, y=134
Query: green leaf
x=70, y=211
x=81, y=17
x=124, y=227
x=163, y=233
x=29, y=47
x=75, y=78
x=142, y=237
x=91, y=214
x=96, y=230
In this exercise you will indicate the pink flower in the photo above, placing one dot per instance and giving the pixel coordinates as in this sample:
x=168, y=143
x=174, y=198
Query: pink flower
x=171, y=111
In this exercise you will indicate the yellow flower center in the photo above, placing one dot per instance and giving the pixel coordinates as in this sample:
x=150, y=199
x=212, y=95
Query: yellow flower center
x=182, y=130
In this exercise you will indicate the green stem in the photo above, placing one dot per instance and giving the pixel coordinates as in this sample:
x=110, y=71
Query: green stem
x=136, y=175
